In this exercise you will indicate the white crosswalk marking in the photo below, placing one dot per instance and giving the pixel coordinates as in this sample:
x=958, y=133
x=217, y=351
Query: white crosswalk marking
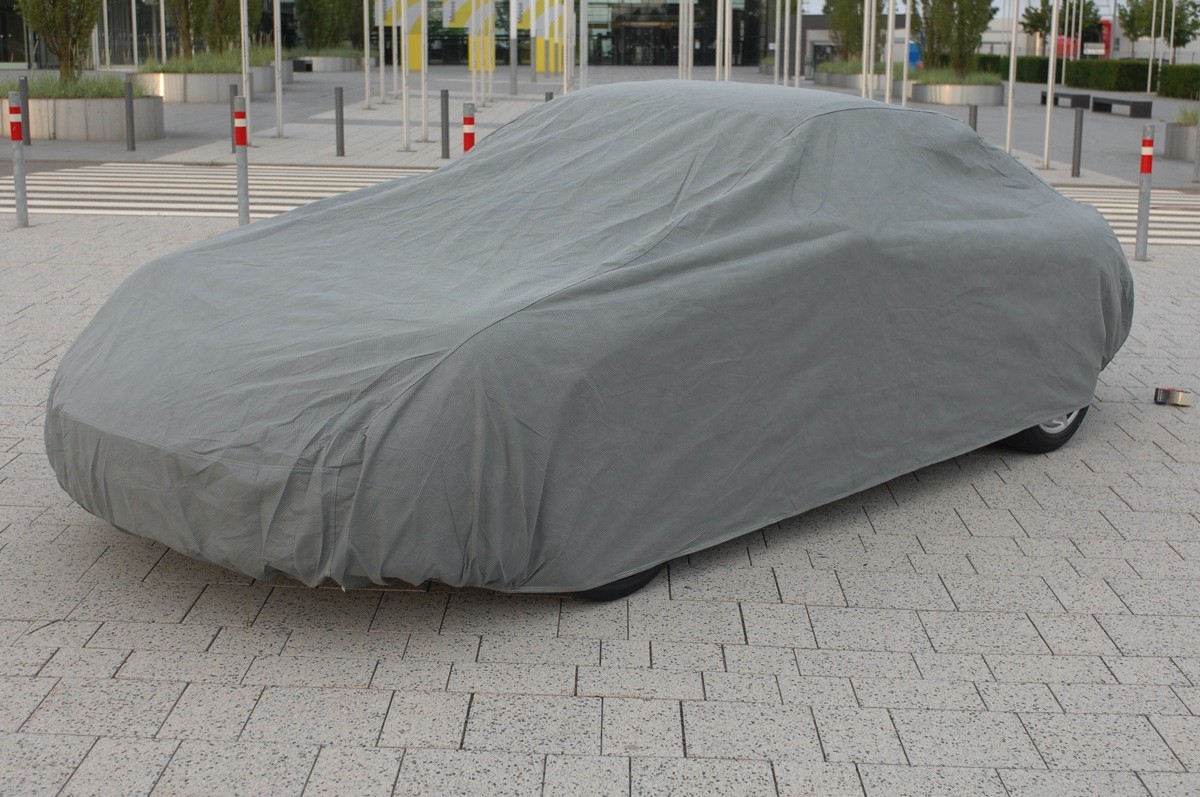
x=1174, y=215
x=153, y=189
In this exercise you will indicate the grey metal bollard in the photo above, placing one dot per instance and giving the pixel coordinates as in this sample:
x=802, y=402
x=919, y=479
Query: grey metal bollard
x=233, y=92
x=549, y=96
x=130, y=133
x=17, y=129
x=446, y=123
x=23, y=87
x=1143, y=217
x=1077, y=151
x=240, y=141
x=339, y=121
x=973, y=116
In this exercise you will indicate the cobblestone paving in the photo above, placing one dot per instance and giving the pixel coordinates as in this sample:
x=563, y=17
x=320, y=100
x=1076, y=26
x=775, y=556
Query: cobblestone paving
x=995, y=625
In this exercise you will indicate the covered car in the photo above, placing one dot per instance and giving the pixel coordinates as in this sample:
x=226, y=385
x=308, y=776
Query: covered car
x=637, y=321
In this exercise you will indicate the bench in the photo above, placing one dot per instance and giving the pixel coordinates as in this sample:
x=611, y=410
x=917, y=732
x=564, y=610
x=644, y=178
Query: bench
x=1076, y=100
x=1138, y=109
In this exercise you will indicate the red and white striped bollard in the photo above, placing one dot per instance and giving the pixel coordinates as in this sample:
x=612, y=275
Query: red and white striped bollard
x=240, y=140
x=1143, y=217
x=468, y=126
x=16, y=132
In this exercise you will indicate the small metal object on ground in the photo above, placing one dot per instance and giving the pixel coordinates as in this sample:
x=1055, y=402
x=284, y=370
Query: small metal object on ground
x=973, y=116
x=23, y=87
x=1077, y=151
x=1174, y=396
x=446, y=124
x=549, y=96
x=16, y=130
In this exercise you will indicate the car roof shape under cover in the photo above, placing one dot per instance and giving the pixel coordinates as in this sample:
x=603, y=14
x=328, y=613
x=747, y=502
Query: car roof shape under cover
x=637, y=321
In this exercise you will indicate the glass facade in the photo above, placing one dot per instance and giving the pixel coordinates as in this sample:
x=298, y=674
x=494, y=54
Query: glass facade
x=14, y=41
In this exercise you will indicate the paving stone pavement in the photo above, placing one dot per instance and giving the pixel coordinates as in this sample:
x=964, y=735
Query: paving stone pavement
x=998, y=624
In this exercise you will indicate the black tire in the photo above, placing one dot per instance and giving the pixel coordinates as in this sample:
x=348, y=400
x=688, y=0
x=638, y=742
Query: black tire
x=1046, y=437
x=621, y=588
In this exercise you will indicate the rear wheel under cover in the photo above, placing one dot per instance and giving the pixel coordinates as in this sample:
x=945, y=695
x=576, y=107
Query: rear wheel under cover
x=621, y=588
x=1048, y=436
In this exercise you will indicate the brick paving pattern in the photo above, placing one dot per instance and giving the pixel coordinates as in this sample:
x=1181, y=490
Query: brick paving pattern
x=998, y=624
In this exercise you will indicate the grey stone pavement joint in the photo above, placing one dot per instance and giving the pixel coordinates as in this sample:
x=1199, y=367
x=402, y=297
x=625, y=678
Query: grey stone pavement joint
x=997, y=624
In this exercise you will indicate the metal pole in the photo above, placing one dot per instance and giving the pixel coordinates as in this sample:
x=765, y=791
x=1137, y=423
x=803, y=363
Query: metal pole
x=446, y=124
x=424, y=71
x=367, y=54
x=908, y=17
x=244, y=10
x=23, y=88
x=162, y=28
x=719, y=41
x=133, y=6
x=585, y=42
x=243, y=168
x=278, y=19
x=1171, y=41
x=1143, y=217
x=533, y=38
x=778, y=39
x=514, y=49
x=1067, y=29
x=233, y=92
x=1150, y=65
x=549, y=96
x=1012, y=77
x=787, y=42
x=15, y=120
x=396, y=6
x=130, y=142
x=1196, y=158
x=382, y=49
x=866, y=32
x=403, y=6
x=1077, y=151
x=339, y=121
x=107, y=37
x=728, y=39
x=973, y=116
x=887, y=52
x=799, y=41
x=1050, y=82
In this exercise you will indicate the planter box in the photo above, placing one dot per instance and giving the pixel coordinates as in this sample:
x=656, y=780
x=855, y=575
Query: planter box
x=1179, y=144
x=205, y=87
x=328, y=63
x=950, y=94
x=91, y=119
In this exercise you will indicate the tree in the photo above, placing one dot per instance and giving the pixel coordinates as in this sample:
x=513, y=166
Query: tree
x=1036, y=20
x=221, y=23
x=845, y=18
x=1134, y=16
x=326, y=23
x=1187, y=25
x=184, y=15
x=953, y=31
x=65, y=26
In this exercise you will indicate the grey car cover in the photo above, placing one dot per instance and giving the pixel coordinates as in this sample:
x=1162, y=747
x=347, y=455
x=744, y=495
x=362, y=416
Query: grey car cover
x=638, y=321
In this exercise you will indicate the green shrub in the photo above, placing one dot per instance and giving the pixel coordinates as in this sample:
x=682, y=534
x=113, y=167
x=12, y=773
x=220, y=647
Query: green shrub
x=948, y=76
x=1187, y=116
x=840, y=67
x=1181, y=80
x=331, y=52
x=44, y=87
x=990, y=62
x=1032, y=68
x=229, y=61
x=1107, y=75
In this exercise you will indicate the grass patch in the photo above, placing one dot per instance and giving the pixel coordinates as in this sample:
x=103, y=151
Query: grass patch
x=327, y=52
x=949, y=77
x=206, y=62
x=1188, y=116
x=44, y=87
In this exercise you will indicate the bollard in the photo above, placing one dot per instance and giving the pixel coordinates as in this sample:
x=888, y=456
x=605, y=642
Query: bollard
x=1143, y=217
x=1077, y=152
x=446, y=123
x=130, y=135
x=23, y=87
x=243, y=166
x=17, y=133
x=339, y=121
x=549, y=96
x=468, y=126
x=973, y=116
x=233, y=92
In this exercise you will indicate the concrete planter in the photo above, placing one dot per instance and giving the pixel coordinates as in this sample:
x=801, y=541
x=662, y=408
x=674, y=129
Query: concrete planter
x=205, y=87
x=949, y=94
x=838, y=81
x=91, y=119
x=328, y=63
x=1179, y=144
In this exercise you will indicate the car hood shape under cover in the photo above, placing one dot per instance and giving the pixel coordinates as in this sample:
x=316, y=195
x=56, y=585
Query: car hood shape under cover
x=638, y=321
